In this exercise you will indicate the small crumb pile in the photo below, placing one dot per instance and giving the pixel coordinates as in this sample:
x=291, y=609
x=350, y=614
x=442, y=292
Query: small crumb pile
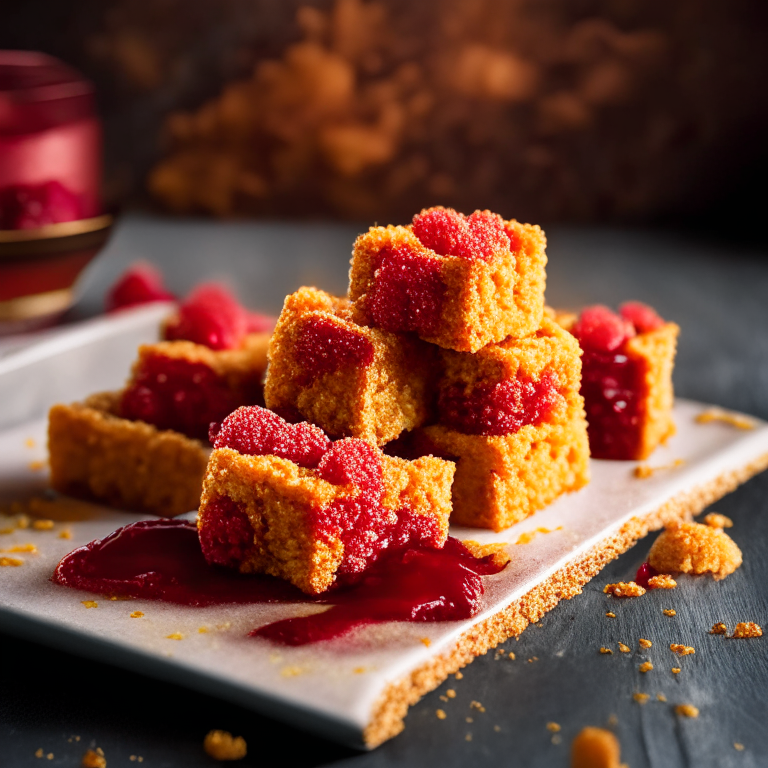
x=624, y=589
x=681, y=650
x=595, y=748
x=695, y=548
x=687, y=710
x=221, y=745
x=746, y=629
x=662, y=581
x=94, y=759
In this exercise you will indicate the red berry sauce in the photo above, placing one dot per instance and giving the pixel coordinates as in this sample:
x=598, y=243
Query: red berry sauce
x=645, y=572
x=227, y=536
x=324, y=347
x=256, y=431
x=162, y=560
x=141, y=283
x=612, y=383
x=408, y=293
x=211, y=316
x=499, y=409
x=180, y=395
x=28, y=206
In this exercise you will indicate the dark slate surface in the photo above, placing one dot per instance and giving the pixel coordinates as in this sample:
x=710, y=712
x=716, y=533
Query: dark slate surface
x=720, y=298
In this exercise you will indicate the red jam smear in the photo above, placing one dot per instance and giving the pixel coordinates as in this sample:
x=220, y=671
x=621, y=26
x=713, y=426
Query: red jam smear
x=256, y=431
x=645, y=319
x=481, y=235
x=28, y=206
x=408, y=293
x=162, y=560
x=180, y=395
x=211, y=316
x=324, y=346
x=499, y=409
x=227, y=536
x=141, y=283
x=644, y=573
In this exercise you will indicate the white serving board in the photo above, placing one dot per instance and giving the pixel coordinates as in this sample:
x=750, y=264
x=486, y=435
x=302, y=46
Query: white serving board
x=332, y=687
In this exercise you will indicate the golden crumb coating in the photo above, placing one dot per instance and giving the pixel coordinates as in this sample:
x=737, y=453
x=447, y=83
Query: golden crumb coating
x=484, y=301
x=595, y=748
x=278, y=498
x=96, y=455
x=747, y=629
x=502, y=480
x=695, y=548
x=624, y=589
x=374, y=401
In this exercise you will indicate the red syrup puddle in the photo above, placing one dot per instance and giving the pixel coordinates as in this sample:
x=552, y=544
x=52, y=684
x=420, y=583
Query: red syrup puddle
x=645, y=572
x=162, y=560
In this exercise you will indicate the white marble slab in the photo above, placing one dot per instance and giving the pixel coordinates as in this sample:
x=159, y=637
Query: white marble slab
x=330, y=688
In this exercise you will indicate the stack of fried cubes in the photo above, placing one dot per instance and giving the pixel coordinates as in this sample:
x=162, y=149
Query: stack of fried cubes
x=443, y=347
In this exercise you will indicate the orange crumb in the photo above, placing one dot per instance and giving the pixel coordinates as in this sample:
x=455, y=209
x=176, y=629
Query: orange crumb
x=476, y=705
x=30, y=442
x=42, y=525
x=605, y=650
x=529, y=536
x=687, y=710
x=39, y=752
x=716, y=520
x=681, y=650
x=554, y=727
x=31, y=548
x=137, y=614
x=203, y=630
x=534, y=658
x=359, y=670
x=695, y=548
x=718, y=629
x=221, y=745
x=624, y=648
x=175, y=636
x=675, y=670
x=643, y=470
x=496, y=552
x=595, y=748
x=662, y=581
x=661, y=697
x=450, y=693
x=717, y=414
x=426, y=641
x=36, y=466
x=611, y=615
x=641, y=698
x=459, y=675
x=738, y=746
x=94, y=759
x=11, y=562
x=89, y=603
x=646, y=666
x=469, y=720
x=644, y=643
x=511, y=656
x=624, y=589
x=747, y=629
x=669, y=612
x=65, y=534
x=440, y=714
x=468, y=737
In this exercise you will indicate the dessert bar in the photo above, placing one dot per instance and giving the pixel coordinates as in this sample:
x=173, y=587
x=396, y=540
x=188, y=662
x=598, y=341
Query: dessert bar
x=458, y=282
x=282, y=499
x=350, y=380
x=96, y=454
x=626, y=379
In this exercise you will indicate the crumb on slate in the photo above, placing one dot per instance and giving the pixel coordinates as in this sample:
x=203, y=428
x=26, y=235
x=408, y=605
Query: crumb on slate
x=624, y=648
x=687, y=710
x=746, y=629
x=221, y=745
x=553, y=727
x=595, y=748
x=681, y=650
x=669, y=612
x=718, y=629
x=716, y=520
x=94, y=759
x=605, y=650
x=611, y=615
x=644, y=643
x=624, y=589
x=440, y=714
x=662, y=581
x=646, y=666
x=640, y=698
x=675, y=670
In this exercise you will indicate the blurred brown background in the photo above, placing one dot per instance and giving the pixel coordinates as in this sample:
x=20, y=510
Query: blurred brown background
x=600, y=111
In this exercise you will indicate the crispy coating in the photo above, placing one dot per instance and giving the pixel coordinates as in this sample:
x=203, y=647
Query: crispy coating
x=485, y=301
x=375, y=401
x=595, y=748
x=278, y=496
x=695, y=548
x=94, y=454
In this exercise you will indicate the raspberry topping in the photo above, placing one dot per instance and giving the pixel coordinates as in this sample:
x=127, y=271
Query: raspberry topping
x=408, y=293
x=352, y=462
x=481, y=235
x=141, y=283
x=177, y=394
x=601, y=330
x=256, y=431
x=325, y=346
x=644, y=318
x=499, y=409
x=227, y=535
x=26, y=206
x=212, y=316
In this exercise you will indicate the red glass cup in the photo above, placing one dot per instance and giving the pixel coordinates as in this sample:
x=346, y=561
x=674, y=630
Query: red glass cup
x=51, y=224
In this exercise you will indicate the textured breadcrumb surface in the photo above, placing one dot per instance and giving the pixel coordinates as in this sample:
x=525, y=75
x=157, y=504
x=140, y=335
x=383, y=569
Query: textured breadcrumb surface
x=695, y=548
x=662, y=581
x=624, y=589
x=375, y=401
x=97, y=455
